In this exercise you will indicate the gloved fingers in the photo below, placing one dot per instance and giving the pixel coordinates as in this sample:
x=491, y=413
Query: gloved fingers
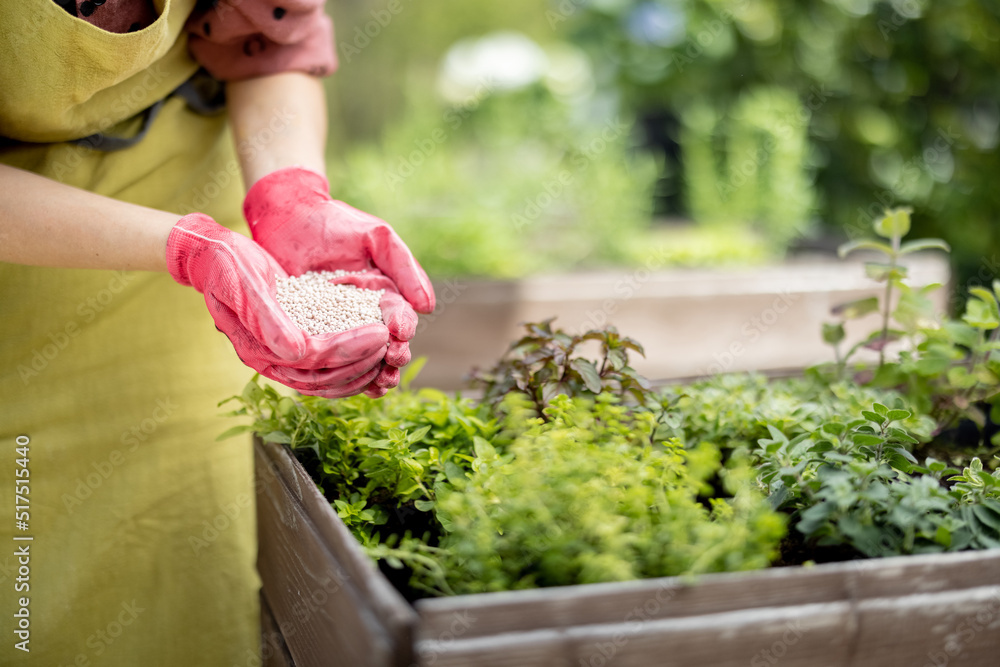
x=250, y=349
x=326, y=378
x=398, y=353
x=269, y=324
x=383, y=382
x=248, y=292
x=394, y=259
x=387, y=378
x=374, y=391
x=352, y=388
x=367, y=278
x=398, y=315
x=339, y=356
x=333, y=350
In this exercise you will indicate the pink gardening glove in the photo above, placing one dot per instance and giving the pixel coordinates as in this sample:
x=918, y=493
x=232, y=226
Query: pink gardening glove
x=293, y=217
x=238, y=279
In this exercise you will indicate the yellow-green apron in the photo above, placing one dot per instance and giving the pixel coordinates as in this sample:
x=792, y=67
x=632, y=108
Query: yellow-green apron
x=142, y=526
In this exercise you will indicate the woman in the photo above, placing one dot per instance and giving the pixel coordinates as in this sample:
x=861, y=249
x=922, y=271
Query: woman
x=133, y=541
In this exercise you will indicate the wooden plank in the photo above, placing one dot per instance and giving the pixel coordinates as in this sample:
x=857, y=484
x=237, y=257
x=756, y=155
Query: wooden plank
x=954, y=628
x=273, y=651
x=386, y=602
x=772, y=315
x=883, y=577
x=325, y=618
x=730, y=639
x=671, y=597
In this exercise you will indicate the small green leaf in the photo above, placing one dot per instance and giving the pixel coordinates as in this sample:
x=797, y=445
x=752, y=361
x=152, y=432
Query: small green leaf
x=987, y=517
x=406, y=486
x=279, y=437
x=987, y=296
x=416, y=436
x=814, y=517
x=871, y=416
x=923, y=244
x=836, y=428
x=898, y=415
x=981, y=315
x=905, y=454
x=424, y=505
x=833, y=333
x=870, y=440
x=252, y=393
x=453, y=473
x=852, y=310
x=895, y=223
x=902, y=436
x=234, y=431
x=412, y=370
x=484, y=450
x=959, y=377
x=883, y=272
x=847, y=248
x=588, y=373
x=881, y=409
x=618, y=358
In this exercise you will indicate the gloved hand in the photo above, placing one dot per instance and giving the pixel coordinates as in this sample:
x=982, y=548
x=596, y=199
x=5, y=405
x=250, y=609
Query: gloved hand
x=238, y=279
x=293, y=217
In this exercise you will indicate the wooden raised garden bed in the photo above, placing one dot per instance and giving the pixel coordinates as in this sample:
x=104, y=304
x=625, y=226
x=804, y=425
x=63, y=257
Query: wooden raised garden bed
x=333, y=607
x=704, y=321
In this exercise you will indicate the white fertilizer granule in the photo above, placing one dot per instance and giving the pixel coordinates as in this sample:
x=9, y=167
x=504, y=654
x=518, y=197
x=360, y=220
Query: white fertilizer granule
x=318, y=306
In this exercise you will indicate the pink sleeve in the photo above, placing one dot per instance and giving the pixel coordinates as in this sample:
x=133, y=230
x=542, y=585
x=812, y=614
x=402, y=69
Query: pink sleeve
x=241, y=39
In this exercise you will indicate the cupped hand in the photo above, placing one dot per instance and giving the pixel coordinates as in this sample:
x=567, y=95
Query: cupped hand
x=238, y=280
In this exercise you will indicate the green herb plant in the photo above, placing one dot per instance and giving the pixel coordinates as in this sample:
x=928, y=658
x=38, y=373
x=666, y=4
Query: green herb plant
x=857, y=484
x=893, y=226
x=544, y=364
x=946, y=365
x=583, y=496
x=563, y=476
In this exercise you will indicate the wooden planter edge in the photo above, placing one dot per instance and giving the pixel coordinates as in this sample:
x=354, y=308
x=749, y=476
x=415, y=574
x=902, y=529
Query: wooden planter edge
x=854, y=612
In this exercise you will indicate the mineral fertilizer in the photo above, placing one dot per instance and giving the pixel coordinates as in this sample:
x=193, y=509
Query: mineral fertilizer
x=318, y=306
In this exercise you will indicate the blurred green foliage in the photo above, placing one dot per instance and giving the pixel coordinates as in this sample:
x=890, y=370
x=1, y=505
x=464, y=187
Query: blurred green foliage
x=903, y=95
x=749, y=166
x=385, y=59
x=507, y=183
x=503, y=186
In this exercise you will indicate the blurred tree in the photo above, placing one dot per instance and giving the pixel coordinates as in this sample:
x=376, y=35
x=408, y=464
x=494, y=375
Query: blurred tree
x=390, y=48
x=903, y=96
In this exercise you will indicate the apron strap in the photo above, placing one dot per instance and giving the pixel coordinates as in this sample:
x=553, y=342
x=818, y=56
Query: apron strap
x=203, y=95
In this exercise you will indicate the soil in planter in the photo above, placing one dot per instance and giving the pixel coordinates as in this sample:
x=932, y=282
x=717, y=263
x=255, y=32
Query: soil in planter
x=408, y=518
x=966, y=439
x=794, y=550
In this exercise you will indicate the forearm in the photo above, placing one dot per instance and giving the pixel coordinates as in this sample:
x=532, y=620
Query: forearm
x=46, y=223
x=278, y=121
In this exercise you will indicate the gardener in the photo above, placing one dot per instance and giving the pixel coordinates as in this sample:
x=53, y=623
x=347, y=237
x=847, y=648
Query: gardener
x=117, y=184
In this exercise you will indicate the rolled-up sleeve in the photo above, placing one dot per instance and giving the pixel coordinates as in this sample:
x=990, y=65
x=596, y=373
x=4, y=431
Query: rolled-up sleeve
x=242, y=39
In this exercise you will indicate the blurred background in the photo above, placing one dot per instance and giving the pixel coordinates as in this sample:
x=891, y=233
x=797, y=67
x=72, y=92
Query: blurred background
x=536, y=136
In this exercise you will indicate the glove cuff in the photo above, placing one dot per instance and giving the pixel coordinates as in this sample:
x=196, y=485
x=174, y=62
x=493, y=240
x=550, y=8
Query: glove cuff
x=281, y=191
x=189, y=248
